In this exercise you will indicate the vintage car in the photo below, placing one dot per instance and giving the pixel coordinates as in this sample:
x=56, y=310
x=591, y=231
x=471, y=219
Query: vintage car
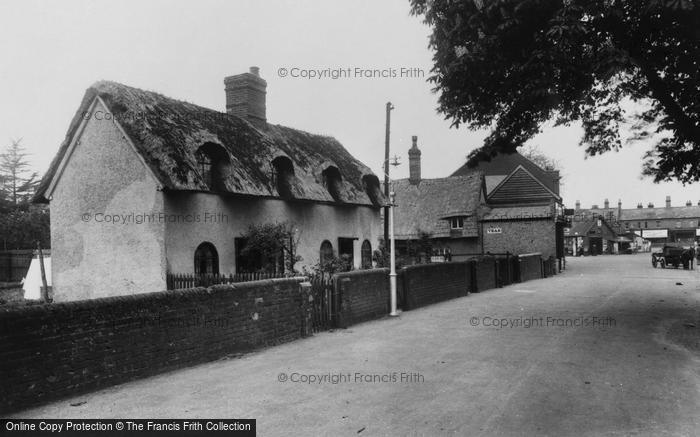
x=672, y=255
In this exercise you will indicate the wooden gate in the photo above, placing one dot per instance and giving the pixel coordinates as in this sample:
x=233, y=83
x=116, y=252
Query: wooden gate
x=325, y=308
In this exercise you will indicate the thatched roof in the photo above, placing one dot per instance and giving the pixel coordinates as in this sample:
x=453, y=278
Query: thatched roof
x=167, y=133
x=426, y=206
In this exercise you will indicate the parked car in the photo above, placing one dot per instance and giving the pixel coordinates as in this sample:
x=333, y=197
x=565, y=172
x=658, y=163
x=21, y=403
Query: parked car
x=672, y=255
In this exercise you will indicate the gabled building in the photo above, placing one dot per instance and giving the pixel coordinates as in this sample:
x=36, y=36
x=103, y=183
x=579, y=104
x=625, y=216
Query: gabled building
x=506, y=205
x=526, y=212
x=592, y=235
x=144, y=185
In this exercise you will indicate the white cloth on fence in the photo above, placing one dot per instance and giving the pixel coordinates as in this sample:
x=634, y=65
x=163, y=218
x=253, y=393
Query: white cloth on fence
x=32, y=282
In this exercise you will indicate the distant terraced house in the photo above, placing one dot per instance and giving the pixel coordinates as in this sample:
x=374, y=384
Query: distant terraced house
x=144, y=185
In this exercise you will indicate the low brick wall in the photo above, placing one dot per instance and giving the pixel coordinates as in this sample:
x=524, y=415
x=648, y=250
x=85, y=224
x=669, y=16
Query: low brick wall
x=485, y=268
x=430, y=283
x=51, y=351
x=364, y=294
x=530, y=267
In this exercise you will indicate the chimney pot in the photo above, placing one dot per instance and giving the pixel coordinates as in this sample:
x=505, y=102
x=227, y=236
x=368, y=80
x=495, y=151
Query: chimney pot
x=689, y=203
x=650, y=205
x=639, y=205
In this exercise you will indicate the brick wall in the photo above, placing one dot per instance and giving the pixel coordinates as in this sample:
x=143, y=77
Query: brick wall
x=431, y=283
x=51, y=351
x=530, y=267
x=364, y=294
x=523, y=237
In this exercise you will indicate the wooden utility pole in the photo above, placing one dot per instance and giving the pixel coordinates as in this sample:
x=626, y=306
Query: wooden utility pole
x=45, y=288
x=389, y=107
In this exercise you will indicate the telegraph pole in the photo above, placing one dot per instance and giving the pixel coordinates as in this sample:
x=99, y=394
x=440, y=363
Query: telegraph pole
x=389, y=107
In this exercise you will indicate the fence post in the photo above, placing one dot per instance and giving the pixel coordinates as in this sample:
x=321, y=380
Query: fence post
x=475, y=283
x=306, y=308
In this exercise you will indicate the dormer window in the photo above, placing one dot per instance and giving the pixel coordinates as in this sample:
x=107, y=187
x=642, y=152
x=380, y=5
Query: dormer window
x=283, y=176
x=371, y=185
x=212, y=162
x=457, y=223
x=333, y=182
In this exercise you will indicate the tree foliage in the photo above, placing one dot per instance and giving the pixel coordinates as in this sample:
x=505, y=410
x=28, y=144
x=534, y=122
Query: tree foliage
x=511, y=65
x=23, y=226
x=270, y=244
x=534, y=154
x=17, y=182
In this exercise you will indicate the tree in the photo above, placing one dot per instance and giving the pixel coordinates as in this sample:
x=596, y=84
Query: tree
x=17, y=183
x=511, y=65
x=271, y=247
x=534, y=154
x=23, y=226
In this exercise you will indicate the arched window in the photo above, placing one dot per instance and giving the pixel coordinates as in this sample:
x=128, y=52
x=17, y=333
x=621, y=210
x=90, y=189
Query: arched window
x=333, y=182
x=212, y=162
x=206, y=260
x=283, y=176
x=326, y=252
x=366, y=254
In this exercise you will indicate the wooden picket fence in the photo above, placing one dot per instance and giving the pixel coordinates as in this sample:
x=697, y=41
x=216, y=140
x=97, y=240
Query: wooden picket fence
x=176, y=281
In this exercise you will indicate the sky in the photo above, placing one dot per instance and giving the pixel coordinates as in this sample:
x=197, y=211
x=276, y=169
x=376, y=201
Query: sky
x=50, y=52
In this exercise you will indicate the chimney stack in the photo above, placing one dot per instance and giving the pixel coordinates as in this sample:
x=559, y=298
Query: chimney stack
x=639, y=205
x=650, y=205
x=578, y=205
x=689, y=203
x=414, y=162
x=619, y=209
x=606, y=203
x=245, y=96
x=668, y=201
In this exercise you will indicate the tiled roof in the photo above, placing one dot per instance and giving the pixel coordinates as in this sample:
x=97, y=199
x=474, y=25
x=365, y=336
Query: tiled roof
x=504, y=163
x=521, y=186
x=519, y=213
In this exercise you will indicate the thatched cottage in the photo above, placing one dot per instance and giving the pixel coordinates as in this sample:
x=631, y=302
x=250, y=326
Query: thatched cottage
x=446, y=211
x=144, y=185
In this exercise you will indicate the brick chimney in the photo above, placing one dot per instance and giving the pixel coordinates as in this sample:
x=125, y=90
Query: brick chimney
x=606, y=203
x=414, y=162
x=245, y=96
x=668, y=201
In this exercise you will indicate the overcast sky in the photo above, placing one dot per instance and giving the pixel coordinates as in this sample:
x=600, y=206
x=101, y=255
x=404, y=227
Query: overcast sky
x=51, y=51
